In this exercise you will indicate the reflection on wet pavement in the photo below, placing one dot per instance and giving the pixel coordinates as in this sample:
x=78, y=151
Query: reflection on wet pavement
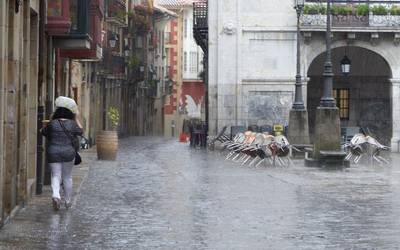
x=163, y=195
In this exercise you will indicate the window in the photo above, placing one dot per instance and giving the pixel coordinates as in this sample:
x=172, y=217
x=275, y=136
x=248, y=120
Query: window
x=193, y=62
x=162, y=44
x=185, y=61
x=74, y=14
x=167, y=37
x=159, y=42
x=185, y=31
x=342, y=101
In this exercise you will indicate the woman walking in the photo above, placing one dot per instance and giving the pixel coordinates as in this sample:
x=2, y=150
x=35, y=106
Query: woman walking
x=61, y=134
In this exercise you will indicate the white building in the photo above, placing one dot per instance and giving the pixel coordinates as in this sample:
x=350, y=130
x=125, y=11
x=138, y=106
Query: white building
x=187, y=98
x=193, y=87
x=252, y=65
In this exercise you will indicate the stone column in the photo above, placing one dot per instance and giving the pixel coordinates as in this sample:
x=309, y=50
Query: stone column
x=395, y=114
x=33, y=96
x=213, y=66
x=3, y=79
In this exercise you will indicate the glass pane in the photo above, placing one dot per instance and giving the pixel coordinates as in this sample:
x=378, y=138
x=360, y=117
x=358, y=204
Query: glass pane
x=74, y=14
x=54, y=8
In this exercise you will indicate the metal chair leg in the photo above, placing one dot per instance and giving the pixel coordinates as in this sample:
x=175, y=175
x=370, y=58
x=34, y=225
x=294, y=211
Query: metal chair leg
x=260, y=162
x=254, y=161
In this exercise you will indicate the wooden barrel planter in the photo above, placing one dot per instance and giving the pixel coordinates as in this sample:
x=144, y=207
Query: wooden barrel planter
x=107, y=145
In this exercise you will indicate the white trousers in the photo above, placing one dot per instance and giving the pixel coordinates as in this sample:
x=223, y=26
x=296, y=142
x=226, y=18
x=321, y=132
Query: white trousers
x=61, y=170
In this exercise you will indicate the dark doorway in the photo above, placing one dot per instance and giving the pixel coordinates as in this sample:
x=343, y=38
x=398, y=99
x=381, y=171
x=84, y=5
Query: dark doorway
x=363, y=96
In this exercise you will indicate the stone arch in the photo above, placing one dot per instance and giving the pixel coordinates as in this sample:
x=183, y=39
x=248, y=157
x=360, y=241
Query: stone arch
x=369, y=88
x=319, y=48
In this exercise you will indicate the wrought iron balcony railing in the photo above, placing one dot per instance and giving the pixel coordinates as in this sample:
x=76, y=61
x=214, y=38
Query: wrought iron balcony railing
x=353, y=14
x=116, y=12
x=200, y=26
x=112, y=64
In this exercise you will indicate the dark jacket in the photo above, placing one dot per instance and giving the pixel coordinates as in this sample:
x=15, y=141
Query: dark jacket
x=59, y=145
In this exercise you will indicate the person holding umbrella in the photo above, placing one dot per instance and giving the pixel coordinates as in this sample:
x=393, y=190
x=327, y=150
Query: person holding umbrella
x=62, y=136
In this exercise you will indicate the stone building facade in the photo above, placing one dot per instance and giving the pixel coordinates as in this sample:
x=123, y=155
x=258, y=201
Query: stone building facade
x=19, y=26
x=46, y=49
x=252, y=65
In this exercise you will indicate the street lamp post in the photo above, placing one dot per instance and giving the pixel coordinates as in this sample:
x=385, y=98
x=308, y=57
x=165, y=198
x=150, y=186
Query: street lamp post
x=327, y=122
x=298, y=117
x=327, y=99
x=298, y=101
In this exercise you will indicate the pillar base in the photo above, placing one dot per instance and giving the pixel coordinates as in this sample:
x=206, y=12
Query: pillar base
x=394, y=145
x=327, y=130
x=298, y=132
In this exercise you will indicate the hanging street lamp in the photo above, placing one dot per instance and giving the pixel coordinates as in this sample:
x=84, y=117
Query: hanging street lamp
x=345, y=64
x=113, y=40
x=127, y=51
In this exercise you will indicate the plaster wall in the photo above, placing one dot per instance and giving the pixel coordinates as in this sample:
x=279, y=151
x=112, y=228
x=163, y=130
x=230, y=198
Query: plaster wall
x=190, y=47
x=252, y=62
x=160, y=61
x=252, y=57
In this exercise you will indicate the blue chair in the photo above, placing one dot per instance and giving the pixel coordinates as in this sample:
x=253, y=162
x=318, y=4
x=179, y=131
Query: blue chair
x=265, y=128
x=236, y=130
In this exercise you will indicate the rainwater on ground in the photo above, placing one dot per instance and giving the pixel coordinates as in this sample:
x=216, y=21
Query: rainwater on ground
x=161, y=194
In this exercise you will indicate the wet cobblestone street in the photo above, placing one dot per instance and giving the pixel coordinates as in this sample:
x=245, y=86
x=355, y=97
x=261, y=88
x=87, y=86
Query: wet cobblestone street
x=161, y=194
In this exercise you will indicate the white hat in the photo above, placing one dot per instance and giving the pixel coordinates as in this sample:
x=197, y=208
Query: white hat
x=68, y=103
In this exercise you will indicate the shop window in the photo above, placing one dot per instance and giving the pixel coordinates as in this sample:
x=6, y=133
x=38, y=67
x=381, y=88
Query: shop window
x=342, y=102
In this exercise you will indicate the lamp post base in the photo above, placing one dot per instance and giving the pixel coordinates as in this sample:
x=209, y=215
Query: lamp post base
x=298, y=132
x=327, y=151
x=327, y=130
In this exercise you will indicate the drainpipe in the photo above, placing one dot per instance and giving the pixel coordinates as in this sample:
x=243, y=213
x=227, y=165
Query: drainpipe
x=49, y=96
x=41, y=83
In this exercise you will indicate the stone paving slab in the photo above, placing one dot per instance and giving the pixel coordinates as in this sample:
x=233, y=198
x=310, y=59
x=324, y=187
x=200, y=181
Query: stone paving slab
x=161, y=194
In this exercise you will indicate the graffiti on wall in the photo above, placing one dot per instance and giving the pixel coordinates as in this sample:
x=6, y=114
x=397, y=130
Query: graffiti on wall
x=268, y=107
x=192, y=99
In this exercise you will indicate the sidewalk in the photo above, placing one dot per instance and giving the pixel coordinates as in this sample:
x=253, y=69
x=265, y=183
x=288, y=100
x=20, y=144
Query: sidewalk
x=36, y=214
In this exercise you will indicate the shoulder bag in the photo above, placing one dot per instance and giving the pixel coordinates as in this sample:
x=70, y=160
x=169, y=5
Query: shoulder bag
x=78, y=158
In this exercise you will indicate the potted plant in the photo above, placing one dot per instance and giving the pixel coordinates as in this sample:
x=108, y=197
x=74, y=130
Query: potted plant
x=314, y=15
x=107, y=140
x=381, y=16
x=350, y=15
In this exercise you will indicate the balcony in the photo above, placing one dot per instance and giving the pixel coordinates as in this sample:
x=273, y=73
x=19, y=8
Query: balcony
x=68, y=23
x=112, y=65
x=352, y=17
x=58, y=17
x=200, y=26
x=116, y=12
x=94, y=53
